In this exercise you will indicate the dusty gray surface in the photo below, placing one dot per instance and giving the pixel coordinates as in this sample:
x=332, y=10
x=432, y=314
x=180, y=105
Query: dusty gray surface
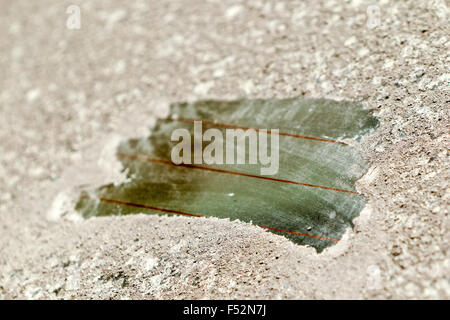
x=67, y=96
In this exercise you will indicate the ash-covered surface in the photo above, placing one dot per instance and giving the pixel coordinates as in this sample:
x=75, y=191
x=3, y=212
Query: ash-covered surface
x=67, y=97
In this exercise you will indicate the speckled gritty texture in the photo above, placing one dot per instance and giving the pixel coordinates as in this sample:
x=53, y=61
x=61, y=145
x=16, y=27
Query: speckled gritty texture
x=68, y=96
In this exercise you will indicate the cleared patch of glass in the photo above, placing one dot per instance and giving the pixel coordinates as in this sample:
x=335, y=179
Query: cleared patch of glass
x=310, y=198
